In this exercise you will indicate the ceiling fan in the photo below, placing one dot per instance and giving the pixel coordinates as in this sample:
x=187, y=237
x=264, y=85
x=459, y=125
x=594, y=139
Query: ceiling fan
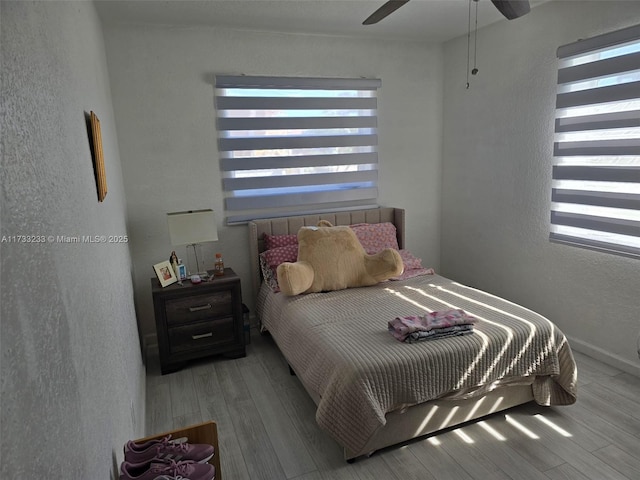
x=509, y=8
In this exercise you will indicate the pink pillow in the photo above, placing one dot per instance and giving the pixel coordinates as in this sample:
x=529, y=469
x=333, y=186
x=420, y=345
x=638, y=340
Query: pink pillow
x=414, y=272
x=410, y=261
x=412, y=266
x=375, y=237
x=270, y=259
x=275, y=256
x=275, y=241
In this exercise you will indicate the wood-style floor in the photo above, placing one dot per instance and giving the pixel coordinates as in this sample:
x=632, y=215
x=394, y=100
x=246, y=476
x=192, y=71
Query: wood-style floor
x=267, y=428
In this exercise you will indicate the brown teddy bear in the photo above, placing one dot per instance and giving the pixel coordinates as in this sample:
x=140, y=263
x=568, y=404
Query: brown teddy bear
x=332, y=258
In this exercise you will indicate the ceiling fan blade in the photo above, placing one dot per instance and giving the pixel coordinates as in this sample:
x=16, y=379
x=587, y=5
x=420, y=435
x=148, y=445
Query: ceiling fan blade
x=386, y=9
x=512, y=8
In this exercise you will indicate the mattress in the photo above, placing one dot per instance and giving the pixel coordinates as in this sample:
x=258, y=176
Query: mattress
x=339, y=345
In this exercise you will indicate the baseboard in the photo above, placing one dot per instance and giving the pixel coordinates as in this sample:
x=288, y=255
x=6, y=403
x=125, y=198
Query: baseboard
x=604, y=356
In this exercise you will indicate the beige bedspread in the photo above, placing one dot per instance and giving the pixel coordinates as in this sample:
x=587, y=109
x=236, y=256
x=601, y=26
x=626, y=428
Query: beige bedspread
x=339, y=346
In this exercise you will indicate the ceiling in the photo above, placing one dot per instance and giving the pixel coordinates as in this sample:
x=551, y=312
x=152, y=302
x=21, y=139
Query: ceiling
x=419, y=20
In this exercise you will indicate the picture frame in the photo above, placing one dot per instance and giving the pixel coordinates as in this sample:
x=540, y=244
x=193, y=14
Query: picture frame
x=182, y=272
x=98, y=156
x=164, y=272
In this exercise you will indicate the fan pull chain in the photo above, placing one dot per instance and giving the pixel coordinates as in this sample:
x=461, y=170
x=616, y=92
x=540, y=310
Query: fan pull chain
x=474, y=71
x=468, y=42
x=475, y=43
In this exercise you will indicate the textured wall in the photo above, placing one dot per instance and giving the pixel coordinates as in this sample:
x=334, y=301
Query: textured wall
x=498, y=146
x=162, y=81
x=72, y=376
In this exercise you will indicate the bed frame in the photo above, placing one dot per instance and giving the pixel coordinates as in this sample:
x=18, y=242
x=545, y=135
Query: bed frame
x=415, y=421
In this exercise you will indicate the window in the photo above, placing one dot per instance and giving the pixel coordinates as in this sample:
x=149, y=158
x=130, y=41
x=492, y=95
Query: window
x=296, y=145
x=596, y=169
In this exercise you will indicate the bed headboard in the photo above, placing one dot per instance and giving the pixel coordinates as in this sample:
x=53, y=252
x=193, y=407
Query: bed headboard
x=291, y=225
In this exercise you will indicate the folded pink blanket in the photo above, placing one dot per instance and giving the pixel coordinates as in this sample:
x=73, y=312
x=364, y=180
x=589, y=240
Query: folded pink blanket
x=402, y=327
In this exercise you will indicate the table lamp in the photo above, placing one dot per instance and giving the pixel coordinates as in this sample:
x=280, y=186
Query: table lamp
x=192, y=228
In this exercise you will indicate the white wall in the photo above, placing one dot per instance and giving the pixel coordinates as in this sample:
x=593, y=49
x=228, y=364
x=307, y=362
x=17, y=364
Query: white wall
x=162, y=80
x=73, y=385
x=498, y=145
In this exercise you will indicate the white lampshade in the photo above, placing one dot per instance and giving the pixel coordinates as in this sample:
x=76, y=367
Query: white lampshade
x=194, y=226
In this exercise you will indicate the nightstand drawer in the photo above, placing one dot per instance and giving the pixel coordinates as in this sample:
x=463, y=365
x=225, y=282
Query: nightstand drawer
x=201, y=335
x=199, y=307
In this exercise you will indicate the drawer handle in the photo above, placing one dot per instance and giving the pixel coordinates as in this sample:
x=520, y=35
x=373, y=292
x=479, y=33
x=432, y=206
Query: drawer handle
x=203, y=335
x=201, y=307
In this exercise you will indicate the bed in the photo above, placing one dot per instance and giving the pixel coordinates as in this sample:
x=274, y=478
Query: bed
x=373, y=391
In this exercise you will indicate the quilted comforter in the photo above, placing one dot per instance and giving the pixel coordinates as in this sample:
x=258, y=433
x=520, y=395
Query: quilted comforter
x=339, y=346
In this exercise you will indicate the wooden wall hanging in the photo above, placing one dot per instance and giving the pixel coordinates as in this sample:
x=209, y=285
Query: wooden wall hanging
x=98, y=157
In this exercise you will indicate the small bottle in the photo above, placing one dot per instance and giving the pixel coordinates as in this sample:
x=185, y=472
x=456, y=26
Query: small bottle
x=218, y=266
x=182, y=269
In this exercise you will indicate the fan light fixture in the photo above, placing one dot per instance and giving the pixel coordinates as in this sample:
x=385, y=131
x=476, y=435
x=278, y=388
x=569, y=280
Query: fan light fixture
x=509, y=8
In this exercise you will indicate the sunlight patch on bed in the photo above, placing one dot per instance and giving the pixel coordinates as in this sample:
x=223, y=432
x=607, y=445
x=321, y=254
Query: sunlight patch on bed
x=447, y=421
x=426, y=420
x=521, y=427
x=473, y=411
x=407, y=299
x=465, y=438
x=492, y=431
x=496, y=405
x=527, y=343
x=477, y=302
x=552, y=425
x=425, y=294
x=503, y=300
x=544, y=353
x=485, y=340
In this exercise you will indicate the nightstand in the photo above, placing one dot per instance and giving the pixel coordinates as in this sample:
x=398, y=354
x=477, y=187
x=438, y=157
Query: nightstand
x=194, y=321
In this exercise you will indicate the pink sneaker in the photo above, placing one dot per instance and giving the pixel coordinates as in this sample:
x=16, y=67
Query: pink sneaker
x=166, y=449
x=167, y=470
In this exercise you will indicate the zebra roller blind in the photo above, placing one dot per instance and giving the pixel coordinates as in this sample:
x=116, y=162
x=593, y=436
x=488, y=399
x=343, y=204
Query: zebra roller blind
x=596, y=168
x=292, y=145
